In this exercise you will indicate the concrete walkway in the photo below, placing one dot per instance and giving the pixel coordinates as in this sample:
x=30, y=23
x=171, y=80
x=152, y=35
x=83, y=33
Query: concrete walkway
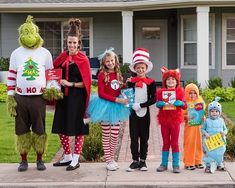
x=94, y=175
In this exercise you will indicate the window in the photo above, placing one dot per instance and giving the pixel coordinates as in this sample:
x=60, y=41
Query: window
x=54, y=34
x=228, y=50
x=189, y=41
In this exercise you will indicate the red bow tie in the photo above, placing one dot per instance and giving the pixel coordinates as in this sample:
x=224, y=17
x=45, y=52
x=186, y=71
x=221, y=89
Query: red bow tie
x=139, y=81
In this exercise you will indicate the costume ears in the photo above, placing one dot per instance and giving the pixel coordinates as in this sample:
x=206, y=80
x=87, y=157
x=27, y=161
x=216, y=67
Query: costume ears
x=164, y=69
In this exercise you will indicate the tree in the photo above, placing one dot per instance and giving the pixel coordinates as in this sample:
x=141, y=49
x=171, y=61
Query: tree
x=30, y=69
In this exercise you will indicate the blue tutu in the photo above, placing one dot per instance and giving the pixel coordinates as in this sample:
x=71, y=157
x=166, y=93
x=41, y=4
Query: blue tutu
x=101, y=110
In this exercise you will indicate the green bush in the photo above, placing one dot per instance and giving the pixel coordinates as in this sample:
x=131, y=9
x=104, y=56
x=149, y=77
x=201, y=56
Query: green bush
x=230, y=148
x=94, y=88
x=124, y=68
x=215, y=82
x=92, y=149
x=232, y=82
x=4, y=64
x=226, y=94
x=3, y=92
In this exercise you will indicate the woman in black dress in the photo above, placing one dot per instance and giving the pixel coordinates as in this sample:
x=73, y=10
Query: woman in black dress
x=76, y=83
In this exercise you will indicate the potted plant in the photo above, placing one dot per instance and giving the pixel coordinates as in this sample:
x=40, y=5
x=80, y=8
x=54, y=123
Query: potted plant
x=4, y=66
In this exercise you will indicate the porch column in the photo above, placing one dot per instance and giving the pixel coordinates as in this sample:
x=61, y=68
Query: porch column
x=127, y=36
x=203, y=45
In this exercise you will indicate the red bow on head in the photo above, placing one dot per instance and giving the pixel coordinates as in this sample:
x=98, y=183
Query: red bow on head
x=139, y=81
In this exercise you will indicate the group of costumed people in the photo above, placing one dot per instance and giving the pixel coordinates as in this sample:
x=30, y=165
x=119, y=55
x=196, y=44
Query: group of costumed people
x=27, y=92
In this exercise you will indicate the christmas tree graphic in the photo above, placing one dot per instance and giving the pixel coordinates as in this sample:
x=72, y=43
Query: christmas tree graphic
x=30, y=69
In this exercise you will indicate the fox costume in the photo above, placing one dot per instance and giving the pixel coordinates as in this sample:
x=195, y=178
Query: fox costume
x=170, y=120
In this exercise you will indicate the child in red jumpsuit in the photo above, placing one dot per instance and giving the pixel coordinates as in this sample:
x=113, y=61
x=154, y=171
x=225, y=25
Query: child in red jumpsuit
x=170, y=101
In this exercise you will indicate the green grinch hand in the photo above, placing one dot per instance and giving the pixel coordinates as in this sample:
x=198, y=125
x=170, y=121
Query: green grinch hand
x=11, y=105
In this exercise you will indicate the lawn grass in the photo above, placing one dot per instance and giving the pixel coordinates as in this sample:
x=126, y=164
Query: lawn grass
x=229, y=109
x=8, y=153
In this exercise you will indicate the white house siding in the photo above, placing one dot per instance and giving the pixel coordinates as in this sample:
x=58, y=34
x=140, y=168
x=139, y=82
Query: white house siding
x=226, y=75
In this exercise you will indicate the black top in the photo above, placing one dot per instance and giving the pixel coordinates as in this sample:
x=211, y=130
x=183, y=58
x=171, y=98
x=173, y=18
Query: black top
x=69, y=112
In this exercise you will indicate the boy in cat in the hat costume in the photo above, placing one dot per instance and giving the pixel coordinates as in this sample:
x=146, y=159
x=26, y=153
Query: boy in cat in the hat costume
x=170, y=119
x=145, y=89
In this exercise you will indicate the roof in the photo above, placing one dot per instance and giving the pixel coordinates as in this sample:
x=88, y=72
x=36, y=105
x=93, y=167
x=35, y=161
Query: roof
x=61, y=1
x=10, y=6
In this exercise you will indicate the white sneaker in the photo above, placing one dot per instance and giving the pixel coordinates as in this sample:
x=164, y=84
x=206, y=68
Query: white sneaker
x=115, y=164
x=213, y=167
x=111, y=166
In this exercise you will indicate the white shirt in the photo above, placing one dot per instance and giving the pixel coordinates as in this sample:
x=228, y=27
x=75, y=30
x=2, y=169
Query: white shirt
x=27, y=70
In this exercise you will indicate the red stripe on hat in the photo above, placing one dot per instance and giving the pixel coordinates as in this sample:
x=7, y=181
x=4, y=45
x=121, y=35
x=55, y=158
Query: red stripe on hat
x=140, y=55
x=141, y=49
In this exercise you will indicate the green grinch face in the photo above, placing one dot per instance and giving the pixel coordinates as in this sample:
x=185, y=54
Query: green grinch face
x=29, y=36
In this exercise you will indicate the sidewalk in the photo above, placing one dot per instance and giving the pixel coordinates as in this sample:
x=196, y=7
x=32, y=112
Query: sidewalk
x=94, y=175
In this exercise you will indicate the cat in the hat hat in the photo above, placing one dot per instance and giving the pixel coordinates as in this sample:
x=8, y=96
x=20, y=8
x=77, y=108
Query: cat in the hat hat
x=144, y=90
x=170, y=101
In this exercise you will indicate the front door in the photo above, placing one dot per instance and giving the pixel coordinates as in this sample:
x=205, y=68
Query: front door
x=152, y=35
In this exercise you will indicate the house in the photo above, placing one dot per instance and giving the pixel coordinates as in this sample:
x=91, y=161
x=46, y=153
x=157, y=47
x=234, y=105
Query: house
x=196, y=36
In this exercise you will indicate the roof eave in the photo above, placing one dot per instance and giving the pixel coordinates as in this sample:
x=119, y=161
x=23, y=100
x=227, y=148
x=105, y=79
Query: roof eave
x=110, y=6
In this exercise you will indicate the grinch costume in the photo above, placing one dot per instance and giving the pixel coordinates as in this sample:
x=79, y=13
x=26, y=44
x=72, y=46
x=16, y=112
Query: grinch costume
x=26, y=82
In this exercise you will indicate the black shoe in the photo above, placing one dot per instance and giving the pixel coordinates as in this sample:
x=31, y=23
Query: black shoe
x=70, y=167
x=58, y=163
x=40, y=165
x=134, y=166
x=199, y=166
x=190, y=167
x=23, y=166
x=143, y=166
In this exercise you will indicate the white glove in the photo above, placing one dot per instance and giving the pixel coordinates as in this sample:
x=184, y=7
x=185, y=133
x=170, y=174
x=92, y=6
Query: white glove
x=136, y=106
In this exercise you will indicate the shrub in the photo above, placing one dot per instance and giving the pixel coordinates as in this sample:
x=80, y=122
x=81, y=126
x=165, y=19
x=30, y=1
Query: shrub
x=3, y=92
x=4, y=64
x=94, y=87
x=230, y=147
x=124, y=68
x=226, y=94
x=93, y=150
x=215, y=82
x=232, y=82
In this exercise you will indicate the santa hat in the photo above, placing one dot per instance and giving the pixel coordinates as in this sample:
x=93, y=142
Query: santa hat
x=170, y=73
x=141, y=55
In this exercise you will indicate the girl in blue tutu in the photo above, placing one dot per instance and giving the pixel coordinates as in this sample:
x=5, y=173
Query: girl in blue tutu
x=108, y=108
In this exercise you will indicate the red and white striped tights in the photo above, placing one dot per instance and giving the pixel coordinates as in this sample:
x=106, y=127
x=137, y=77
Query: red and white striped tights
x=110, y=140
